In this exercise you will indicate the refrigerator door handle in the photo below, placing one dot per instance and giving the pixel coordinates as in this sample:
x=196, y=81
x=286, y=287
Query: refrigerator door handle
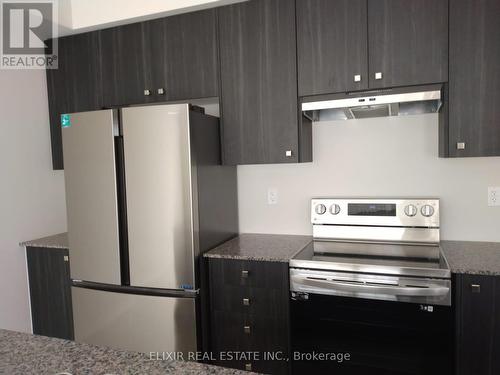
x=125, y=289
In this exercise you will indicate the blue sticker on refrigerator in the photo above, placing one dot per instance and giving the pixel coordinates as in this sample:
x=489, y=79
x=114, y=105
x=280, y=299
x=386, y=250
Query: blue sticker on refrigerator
x=65, y=121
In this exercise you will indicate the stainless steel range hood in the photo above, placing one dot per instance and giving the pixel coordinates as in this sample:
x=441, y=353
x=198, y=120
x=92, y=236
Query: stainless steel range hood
x=378, y=103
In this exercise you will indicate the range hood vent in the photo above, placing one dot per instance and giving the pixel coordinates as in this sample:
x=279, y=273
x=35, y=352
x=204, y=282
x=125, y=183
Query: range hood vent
x=379, y=103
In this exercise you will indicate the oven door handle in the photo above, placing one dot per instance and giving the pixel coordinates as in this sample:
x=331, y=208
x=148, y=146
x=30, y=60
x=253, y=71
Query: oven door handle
x=410, y=291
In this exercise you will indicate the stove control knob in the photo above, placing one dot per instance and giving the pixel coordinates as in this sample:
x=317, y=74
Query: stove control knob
x=411, y=210
x=320, y=209
x=334, y=209
x=427, y=210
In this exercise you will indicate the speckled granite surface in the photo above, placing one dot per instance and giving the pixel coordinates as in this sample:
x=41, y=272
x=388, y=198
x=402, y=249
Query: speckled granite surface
x=58, y=241
x=472, y=257
x=22, y=353
x=268, y=247
x=478, y=258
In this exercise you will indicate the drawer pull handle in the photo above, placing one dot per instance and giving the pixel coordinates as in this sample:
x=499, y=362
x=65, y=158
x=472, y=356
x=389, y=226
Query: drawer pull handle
x=476, y=288
x=248, y=367
x=244, y=274
x=246, y=302
x=246, y=329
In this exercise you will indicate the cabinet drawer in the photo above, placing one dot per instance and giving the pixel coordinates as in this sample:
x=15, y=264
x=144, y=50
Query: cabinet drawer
x=254, y=301
x=263, y=337
x=271, y=275
x=238, y=332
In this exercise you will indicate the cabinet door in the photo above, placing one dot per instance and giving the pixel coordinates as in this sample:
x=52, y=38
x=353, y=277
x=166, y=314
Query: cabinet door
x=478, y=325
x=474, y=87
x=75, y=86
x=50, y=292
x=332, y=46
x=259, y=82
x=408, y=42
x=183, y=57
x=126, y=70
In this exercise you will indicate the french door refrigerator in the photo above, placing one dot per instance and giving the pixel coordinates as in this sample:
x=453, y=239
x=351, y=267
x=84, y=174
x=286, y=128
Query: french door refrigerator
x=146, y=195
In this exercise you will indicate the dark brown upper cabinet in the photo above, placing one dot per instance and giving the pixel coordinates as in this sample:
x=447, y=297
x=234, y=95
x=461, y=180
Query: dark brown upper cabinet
x=184, y=56
x=75, y=86
x=126, y=65
x=332, y=46
x=474, y=85
x=363, y=44
x=258, y=71
x=408, y=42
x=172, y=58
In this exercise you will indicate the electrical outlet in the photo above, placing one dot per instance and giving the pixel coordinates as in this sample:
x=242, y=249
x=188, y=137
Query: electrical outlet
x=272, y=196
x=493, y=196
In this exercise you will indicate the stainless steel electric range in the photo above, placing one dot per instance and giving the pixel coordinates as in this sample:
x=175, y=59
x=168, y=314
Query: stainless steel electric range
x=373, y=283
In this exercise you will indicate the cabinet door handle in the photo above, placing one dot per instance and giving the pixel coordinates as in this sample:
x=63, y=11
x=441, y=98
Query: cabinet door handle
x=357, y=78
x=246, y=329
x=147, y=92
x=244, y=274
x=378, y=75
x=476, y=288
x=161, y=91
x=246, y=302
x=460, y=145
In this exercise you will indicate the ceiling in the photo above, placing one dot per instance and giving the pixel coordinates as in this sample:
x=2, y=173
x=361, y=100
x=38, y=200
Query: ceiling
x=77, y=16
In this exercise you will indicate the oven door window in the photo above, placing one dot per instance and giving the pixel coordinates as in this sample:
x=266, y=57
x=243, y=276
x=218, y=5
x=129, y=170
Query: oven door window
x=381, y=337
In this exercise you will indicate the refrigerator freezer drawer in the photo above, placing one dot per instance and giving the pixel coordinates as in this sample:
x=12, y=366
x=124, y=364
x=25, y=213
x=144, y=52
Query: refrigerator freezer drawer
x=134, y=322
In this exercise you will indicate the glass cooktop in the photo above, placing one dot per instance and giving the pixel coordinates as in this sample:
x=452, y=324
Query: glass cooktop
x=379, y=258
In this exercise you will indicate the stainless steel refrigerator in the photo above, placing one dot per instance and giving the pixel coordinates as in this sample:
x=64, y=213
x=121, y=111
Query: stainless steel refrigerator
x=146, y=195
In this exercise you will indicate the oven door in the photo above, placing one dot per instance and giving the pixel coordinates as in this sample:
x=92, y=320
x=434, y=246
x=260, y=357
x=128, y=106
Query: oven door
x=368, y=332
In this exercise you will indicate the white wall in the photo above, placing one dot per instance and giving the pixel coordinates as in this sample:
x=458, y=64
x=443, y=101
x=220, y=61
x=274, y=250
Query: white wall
x=32, y=201
x=382, y=157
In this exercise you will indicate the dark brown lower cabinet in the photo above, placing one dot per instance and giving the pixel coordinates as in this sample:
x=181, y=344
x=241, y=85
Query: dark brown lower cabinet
x=50, y=292
x=250, y=314
x=478, y=324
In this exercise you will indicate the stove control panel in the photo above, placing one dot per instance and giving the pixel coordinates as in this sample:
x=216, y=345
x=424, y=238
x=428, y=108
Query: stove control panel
x=413, y=213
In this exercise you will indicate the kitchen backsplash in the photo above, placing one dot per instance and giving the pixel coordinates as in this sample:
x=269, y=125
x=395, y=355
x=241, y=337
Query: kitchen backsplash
x=393, y=157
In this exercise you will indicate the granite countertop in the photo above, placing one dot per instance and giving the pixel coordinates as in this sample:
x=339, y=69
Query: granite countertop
x=57, y=241
x=477, y=258
x=23, y=353
x=264, y=247
x=465, y=257
x=469, y=257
